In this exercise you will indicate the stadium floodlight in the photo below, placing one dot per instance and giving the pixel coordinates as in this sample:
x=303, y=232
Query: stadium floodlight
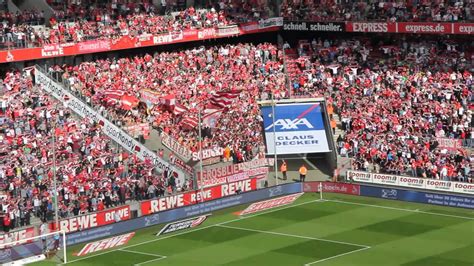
x=200, y=155
x=28, y=250
x=56, y=217
x=320, y=188
x=275, y=164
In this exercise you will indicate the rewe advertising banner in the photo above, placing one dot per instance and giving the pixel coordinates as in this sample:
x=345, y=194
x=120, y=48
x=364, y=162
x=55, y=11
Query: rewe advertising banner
x=297, y=128
x=197, y=196
x=86, y=221
x=411, y=182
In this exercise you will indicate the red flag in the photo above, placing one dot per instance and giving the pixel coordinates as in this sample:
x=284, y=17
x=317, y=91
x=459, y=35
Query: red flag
x=223, y=99
x=168, y=100
x=211, y=108
x=129, y=101
x=211, y=119
x=179, y=109
x=189, y=122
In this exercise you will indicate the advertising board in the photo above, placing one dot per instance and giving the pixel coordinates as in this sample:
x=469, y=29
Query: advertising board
x=297, y=128
x=181, y=213
x=96, y=219
x=105, y=244
x=182, y=225
x=417, y=196
x=228, y=173
x=197, y=196
x=313, y=26
x=411, y=182
x=271, y=203
x=331, y=187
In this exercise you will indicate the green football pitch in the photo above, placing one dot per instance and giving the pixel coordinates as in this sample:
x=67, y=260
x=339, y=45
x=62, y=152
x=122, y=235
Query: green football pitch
x=340, y=230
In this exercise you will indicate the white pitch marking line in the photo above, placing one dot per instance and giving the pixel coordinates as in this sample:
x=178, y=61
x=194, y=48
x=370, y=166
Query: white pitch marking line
x=197, y=229
x=291, y=235
x=148, y=261
x=336, y=256
x=401, y=209
x=141, y=253
x=160, y=257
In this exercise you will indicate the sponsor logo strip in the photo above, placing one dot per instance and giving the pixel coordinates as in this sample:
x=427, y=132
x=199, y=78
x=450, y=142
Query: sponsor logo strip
x=182, y=225
x=412, y=182
x=92, y=220
x=269, y=204
x=331, y=187
x=197, y=196
x=104, y=244
x=314, y=26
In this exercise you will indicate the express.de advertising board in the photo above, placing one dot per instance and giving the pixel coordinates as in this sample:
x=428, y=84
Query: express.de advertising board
x=411, y=182
x=298, y=128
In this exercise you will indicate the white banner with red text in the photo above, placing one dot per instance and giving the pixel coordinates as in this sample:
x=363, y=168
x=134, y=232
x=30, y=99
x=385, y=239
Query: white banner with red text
x=234, y=172
x=411, y=182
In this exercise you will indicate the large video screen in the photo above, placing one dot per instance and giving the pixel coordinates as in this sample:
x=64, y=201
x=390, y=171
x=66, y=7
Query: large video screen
x=298, y=128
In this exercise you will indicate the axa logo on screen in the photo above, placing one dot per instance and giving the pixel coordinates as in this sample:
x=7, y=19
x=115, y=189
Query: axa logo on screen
x=291, y=124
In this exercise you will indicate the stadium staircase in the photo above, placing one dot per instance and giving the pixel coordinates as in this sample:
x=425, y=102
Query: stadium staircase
x=39, y=5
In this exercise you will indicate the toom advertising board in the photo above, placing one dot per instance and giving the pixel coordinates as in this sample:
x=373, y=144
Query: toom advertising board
x=297, y=127
x=411, y=182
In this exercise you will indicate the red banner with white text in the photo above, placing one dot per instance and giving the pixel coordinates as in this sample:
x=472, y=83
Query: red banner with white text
x=17, y=235
x=127, y=42
x=412, y=27
x=87, y=221
x=197, y=196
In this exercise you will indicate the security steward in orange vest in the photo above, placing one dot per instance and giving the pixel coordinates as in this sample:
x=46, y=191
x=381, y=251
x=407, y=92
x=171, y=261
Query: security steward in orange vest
x=303, y=171
x=283, y=169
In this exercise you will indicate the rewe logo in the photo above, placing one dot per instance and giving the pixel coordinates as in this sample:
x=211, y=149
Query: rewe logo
x=287, y=124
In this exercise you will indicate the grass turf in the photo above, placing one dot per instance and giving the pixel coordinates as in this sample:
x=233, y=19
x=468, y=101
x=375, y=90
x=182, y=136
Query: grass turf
x=344, y=230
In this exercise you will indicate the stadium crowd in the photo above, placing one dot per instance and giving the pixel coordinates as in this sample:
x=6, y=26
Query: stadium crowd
x=428, y=82
x=394, y=101
x=81, y=23
x=330, y=10
x=92, y=173
x=222, y=81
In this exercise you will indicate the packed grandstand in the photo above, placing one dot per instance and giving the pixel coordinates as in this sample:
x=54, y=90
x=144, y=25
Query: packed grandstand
x=393, y=101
